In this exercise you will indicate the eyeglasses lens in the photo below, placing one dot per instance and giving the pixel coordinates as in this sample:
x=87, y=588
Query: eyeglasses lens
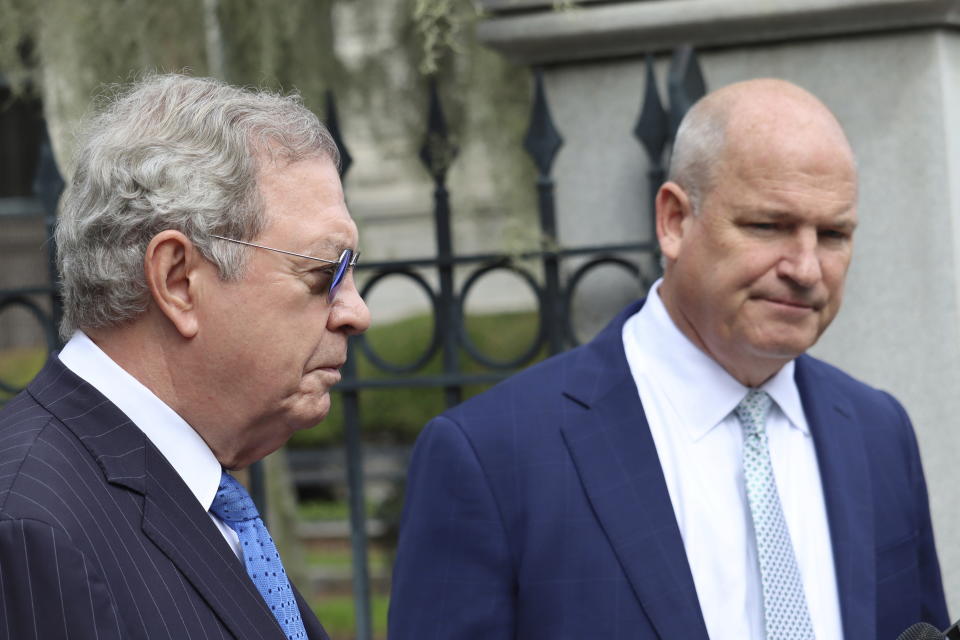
x=342, y=265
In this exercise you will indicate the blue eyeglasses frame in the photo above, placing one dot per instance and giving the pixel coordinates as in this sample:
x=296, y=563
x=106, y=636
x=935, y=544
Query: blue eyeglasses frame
x=347, y=260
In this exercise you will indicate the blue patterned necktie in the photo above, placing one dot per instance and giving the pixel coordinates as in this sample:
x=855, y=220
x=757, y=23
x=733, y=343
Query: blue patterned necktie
x=234, y=506
x=785, y=608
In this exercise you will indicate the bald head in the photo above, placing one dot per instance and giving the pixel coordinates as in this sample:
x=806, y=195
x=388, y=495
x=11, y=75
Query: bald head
x=747, y=118
x=756, y=225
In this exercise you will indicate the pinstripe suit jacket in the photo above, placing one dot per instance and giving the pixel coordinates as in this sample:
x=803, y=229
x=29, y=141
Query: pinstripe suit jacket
x=99, y=536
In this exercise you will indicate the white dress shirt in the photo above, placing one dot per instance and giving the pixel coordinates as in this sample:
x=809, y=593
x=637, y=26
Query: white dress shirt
x=183, y=448
x=689, y=401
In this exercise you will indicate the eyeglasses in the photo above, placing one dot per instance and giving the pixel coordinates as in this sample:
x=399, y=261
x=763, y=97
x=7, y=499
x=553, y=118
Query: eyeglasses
x=347, y=260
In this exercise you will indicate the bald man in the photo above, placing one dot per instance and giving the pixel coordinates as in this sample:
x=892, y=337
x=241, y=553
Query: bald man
x=690, y=473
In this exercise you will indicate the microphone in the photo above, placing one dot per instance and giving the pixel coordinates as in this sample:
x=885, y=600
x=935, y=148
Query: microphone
x=921, y=631
x=925, y=631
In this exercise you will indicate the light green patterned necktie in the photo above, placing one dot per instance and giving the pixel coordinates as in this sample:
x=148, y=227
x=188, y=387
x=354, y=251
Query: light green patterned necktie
x=785, y=608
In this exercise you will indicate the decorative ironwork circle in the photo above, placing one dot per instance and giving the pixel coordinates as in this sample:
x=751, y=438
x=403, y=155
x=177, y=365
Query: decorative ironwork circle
x=538, y=340
x=49, y=333
x=434, y=343
x=580, y=273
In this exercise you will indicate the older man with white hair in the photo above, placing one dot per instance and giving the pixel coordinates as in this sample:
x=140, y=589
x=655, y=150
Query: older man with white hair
x=206, y=258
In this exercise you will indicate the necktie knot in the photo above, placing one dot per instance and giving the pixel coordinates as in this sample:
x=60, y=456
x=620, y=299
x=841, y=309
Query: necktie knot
x=233, y=504
x=752, y=411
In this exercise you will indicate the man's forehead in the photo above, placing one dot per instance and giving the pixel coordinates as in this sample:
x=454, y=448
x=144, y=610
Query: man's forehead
x=801, y=138
x=324, y=235
x=311, y=177
x=320, y=237
x=790, y=170
x=304, y=206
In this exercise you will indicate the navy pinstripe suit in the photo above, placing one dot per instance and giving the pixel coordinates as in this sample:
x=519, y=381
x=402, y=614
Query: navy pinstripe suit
x=99, y=536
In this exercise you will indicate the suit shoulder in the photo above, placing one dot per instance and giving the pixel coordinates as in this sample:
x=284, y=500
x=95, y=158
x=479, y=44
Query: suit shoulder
x=38, y=455
x=21, y=412
x=22, y=421
x=523, y=410
x=810, y=368
x=870, y=408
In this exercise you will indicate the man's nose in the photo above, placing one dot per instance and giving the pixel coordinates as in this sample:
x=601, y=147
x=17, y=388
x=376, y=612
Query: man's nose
x=801, y=260
x=349, y=312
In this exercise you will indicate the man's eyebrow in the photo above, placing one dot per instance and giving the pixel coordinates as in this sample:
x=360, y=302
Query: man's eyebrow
x=847, y=224
x=326, y=249
x=843, y=221
x=321, y=254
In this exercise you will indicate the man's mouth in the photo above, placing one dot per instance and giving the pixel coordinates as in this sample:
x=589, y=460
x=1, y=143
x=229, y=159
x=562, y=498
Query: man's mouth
x=793, y=303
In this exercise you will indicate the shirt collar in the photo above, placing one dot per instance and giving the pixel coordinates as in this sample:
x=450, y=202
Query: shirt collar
x=183, y=447
x=782, y=387
x=701, y=392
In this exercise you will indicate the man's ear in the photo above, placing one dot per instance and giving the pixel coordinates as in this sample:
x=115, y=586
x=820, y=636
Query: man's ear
x=171, y=267
x=674, y=211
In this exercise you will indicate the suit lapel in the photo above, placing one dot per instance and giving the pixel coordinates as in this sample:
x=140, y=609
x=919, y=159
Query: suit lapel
x=172, y=518
x=609, y=440
x=844, y=474
x=177, y=524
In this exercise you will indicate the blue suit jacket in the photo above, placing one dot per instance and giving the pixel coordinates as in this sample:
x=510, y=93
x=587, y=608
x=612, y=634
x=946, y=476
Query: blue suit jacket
x=539, y=510
x=101, y=538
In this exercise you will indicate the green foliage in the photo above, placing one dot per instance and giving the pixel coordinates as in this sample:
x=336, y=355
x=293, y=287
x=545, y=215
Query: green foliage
x=283, y=46
x=378, y=559
x=374, y=60
x=397, y=415
x=104, y=41
x=84, y=44
x=440, y=24
x=325, y=510
x=18, y=366
x=337, y=615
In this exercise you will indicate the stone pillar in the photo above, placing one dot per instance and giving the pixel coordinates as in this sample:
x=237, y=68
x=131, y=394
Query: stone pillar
x=889, y=70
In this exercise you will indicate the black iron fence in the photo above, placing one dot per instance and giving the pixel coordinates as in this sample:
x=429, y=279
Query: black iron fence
x=560, y=271
x=39, y=299
x=554, y=289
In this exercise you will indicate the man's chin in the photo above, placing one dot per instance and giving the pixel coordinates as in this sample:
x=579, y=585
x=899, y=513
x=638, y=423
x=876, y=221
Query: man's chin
x=783, y=349
x=786, y=340
x=311, y=411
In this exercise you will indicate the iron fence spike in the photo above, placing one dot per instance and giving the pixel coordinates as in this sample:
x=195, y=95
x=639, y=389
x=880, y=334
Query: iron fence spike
x=47, y=183
x=438, y=151
x=685, y=84
x=543, y=140
x=653, y=123
x=333, y=125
